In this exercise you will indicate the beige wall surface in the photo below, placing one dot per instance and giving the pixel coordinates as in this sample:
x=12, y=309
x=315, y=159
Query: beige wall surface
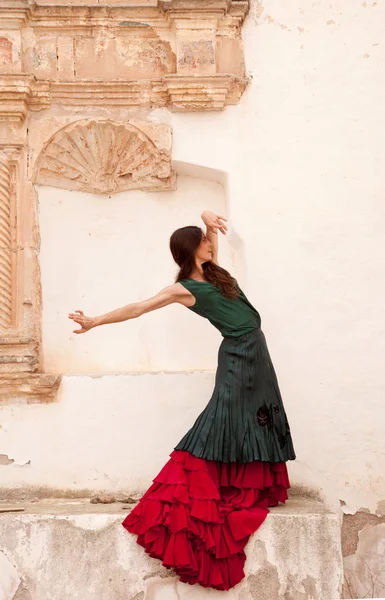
x=299, y=164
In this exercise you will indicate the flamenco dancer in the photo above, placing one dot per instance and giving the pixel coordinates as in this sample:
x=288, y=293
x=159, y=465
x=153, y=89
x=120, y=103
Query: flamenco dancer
x=225, y=473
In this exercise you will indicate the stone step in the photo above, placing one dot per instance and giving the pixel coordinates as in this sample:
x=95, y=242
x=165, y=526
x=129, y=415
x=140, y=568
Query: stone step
x=67, y=549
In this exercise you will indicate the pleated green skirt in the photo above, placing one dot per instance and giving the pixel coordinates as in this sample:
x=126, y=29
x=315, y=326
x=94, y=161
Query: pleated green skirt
x=245, y=419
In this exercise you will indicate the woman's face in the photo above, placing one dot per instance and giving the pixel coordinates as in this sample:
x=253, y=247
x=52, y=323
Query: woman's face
x=204, y=252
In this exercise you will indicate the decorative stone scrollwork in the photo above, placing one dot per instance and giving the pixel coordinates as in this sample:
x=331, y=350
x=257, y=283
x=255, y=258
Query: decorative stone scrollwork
x=5, y=246
x=105, y=157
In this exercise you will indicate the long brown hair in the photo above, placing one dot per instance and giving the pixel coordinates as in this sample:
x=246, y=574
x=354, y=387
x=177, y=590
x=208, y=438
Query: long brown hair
x=183, y=244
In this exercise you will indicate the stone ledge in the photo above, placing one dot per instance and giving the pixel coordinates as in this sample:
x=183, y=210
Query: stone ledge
x=28, y=387
x=22, y=92
x=55, y=548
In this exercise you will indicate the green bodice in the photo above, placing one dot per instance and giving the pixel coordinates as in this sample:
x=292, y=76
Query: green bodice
x=233, y=317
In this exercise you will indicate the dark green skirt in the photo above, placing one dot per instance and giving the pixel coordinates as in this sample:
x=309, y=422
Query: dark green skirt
x=245, y=419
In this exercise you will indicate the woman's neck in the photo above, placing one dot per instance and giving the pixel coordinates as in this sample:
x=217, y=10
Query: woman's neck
x=197, y=273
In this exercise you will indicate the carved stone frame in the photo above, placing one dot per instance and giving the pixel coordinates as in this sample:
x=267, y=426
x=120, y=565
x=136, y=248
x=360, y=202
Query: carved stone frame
x=202, y=34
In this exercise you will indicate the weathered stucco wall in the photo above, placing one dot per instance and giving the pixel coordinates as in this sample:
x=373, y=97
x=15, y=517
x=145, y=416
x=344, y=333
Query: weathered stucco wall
x=295, y=556
x=301, y=156
x=306, y=196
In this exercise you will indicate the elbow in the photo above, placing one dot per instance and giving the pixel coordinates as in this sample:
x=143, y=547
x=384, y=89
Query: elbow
x=135, y=312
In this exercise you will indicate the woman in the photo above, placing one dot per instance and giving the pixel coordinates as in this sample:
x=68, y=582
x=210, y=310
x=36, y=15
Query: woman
x=215, y=491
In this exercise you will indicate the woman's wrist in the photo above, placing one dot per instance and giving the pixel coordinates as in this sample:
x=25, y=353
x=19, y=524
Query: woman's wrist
x=211, y=229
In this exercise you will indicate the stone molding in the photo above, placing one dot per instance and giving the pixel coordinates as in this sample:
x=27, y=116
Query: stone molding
x=46, y=13
x=6, y=266
x=19, y=94
x=29, y=387
x=144, y=52
x=105, y=157
x=19, y=354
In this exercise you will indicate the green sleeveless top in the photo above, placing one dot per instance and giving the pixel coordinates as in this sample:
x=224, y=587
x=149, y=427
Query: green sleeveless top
x=233, y=317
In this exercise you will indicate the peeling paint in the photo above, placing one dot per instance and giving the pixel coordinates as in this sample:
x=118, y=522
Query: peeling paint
x=310, y=587
x=364, y=570
x=265, y=579
x=271, y=21
x=351, y=527
x=163, y=573
x=5, y=460
x=5, y=51
x=256, y=10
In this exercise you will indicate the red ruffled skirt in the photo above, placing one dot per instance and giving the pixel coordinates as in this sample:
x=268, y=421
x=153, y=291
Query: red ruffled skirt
x=198, y=515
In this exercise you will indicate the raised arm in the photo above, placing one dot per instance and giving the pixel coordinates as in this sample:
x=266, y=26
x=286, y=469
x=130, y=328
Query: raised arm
x=170, y=294
x=214, y=223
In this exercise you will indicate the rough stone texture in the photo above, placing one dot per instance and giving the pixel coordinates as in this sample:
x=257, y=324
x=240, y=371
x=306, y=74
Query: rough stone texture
x=363, y=550
x=56, y=548
x=65, y=47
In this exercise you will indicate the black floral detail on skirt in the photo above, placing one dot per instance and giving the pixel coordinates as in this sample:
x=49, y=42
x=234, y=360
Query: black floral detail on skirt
x=282, y=439
x=265, y=416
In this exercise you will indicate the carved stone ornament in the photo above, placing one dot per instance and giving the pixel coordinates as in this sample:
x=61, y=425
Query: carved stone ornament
x=19, y=341
x=126, y=53
x=78, y=78
x=104, y=157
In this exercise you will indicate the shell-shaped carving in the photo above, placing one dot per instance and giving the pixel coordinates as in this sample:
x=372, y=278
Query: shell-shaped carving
x=103, y=157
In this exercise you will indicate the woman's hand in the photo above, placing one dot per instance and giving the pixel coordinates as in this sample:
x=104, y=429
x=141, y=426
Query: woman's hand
x=213, y=221
x=87, y=323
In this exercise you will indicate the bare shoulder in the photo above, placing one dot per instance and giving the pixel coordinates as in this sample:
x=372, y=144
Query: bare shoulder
x=182, y=294
x=178, y=291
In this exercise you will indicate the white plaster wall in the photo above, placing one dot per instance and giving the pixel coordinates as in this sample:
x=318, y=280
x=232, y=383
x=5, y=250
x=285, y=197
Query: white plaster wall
x=303, y=161
x=99, y=253
x=304, y=153
x=111, y=432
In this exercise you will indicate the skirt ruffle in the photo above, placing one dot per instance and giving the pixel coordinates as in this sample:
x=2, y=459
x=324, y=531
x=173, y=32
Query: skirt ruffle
x=198, y=515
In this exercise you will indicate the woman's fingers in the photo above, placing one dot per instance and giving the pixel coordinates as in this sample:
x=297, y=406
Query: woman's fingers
x=222, y=227
x=86, y=323
x=77, y=319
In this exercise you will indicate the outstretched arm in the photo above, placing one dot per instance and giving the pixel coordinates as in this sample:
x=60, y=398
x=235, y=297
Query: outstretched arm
x=170, y=294
x=214, y=223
